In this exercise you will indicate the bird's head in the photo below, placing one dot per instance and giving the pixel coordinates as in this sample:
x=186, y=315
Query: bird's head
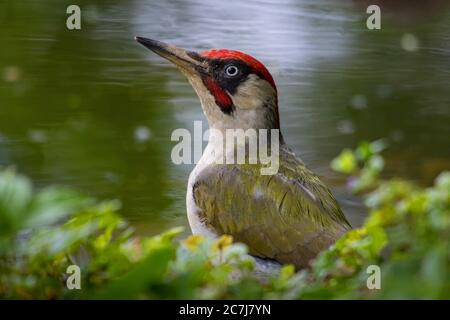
x=236, y=90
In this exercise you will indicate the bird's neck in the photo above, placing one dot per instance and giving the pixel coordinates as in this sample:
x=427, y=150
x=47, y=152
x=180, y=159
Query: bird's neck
x=229, y=143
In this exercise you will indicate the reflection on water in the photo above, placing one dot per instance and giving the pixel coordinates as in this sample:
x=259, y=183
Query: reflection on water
x=93, y=109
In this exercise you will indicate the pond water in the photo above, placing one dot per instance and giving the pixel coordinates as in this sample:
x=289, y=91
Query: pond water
x=95, y=110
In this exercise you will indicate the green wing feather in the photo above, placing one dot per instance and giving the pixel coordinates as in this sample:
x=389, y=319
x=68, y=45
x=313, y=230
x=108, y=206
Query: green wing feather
x=288, y=217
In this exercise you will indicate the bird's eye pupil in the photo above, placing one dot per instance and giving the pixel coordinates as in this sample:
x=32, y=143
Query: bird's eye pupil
x=231, y=71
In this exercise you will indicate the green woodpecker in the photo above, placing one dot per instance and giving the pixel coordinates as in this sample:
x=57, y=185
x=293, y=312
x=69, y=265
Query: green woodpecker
x=287, y=217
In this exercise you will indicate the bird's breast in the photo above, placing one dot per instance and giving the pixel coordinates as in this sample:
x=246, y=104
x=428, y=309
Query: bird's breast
x=197, y=225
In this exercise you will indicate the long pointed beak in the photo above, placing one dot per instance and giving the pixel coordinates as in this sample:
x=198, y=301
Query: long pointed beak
x=187, y=61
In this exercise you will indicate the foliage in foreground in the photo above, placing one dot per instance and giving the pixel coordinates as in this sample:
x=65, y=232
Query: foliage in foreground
x=407, y=234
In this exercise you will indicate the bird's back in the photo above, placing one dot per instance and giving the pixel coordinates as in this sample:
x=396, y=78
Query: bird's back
x=288, y=217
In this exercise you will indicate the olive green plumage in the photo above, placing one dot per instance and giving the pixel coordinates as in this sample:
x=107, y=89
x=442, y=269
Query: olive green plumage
x=288, y=217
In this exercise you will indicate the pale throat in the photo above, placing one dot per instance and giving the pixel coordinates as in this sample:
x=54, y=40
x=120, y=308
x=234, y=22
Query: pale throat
x=253, y=122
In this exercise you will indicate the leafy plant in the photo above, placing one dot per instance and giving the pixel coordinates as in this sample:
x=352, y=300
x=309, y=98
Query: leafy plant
x=42, y=232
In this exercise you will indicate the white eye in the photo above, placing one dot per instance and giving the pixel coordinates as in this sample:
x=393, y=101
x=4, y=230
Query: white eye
x=231, y=71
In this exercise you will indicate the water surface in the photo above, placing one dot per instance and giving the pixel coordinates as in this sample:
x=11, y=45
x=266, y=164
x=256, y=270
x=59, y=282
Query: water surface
x=94, y=110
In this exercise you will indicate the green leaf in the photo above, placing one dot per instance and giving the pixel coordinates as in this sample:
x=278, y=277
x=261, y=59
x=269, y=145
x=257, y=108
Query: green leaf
x=345, y=163
x=52, y=205
x=149, y=272
x=15, y=196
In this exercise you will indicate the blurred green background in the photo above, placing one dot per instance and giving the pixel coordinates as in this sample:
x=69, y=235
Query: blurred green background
x=93, y=109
